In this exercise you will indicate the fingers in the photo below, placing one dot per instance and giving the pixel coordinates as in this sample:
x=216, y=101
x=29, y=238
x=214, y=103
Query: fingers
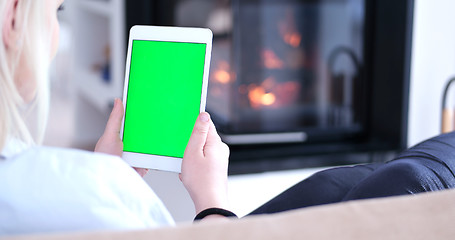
x=115, y=119
x=214, y=144
x=199, y=135
x=141, y=171
x=212, y=136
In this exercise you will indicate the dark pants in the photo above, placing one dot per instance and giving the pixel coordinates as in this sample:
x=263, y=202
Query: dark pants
x=428, y=166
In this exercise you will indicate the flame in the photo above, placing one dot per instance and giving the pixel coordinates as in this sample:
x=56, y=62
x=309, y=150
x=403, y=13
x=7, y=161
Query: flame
x=287, y=28
x=268, y=99
x=271, y=94
x=259, y=97
x=221, y=74
x=262, y=95
x=269, y=83
x=271, y=60
x=292, y=39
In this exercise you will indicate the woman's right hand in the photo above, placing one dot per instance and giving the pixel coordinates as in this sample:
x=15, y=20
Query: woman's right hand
x=205, y=165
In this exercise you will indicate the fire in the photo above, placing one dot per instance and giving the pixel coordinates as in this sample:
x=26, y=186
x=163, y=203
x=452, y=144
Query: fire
x=272, y=94
x=221, y=74
x=292, y=39
x=267, y=94
x=268, y=99
x=271, y=60
x=288, y=30
x=259, y=97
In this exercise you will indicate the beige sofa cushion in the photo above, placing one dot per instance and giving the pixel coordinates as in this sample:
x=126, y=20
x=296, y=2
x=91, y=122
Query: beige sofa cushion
x=423, y=216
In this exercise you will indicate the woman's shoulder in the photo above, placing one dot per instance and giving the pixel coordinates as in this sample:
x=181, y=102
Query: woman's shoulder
x=67, y=157
x=99, y=191
x=18, y=153
x=69, y=153
x=84, y=170
x=65, y=162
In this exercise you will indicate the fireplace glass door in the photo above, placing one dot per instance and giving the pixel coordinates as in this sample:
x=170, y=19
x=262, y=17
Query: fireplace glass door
x=283, y=70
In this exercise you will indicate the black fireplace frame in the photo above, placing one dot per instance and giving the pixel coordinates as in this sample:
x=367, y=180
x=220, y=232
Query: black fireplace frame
x=387, y=63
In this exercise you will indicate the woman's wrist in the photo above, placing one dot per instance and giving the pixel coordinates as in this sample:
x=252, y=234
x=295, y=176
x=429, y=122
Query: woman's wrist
x=211, y=199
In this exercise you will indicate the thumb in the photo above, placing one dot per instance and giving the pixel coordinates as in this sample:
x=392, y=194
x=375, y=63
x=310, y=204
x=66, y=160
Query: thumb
x=115, y=119
x=212, y=137
x=199, y=135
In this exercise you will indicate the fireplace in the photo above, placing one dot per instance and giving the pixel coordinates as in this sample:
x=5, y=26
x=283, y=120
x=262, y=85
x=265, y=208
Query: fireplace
x=286, y=73
x=296, y=78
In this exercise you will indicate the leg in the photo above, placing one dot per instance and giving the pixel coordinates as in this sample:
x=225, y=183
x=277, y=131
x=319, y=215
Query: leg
x=399, y=177
x=324, y=187
x=429, y=166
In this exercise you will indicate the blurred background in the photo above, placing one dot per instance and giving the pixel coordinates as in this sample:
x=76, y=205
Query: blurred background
x=295, y=86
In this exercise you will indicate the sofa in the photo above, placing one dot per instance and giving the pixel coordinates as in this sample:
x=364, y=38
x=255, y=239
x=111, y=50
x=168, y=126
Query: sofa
x=420, y=216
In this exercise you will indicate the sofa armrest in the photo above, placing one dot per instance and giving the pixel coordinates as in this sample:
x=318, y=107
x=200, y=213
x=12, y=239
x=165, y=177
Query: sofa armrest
x=421, y=216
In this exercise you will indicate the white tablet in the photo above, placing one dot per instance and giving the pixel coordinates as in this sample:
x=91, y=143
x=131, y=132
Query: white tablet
x=166, y=77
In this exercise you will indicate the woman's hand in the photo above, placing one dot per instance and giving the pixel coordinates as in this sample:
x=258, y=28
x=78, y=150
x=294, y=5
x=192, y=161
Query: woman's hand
x=110, y=142
x=205, y=165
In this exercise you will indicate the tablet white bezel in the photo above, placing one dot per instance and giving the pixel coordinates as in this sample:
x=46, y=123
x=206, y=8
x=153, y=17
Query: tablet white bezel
x=169, y=34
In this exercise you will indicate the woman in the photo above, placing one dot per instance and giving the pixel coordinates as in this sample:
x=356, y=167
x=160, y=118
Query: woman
x=49, y=189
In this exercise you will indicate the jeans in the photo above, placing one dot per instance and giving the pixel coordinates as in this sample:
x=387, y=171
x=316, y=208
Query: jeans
x=428, y=166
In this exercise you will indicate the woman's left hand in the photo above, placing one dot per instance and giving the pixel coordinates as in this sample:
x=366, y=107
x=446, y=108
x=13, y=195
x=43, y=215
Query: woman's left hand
x=110, y=142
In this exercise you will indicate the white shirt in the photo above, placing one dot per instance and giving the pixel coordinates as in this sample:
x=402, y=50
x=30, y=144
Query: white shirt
x=45, y=189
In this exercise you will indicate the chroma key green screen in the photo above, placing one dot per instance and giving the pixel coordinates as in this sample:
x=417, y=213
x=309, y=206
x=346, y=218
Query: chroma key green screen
x=164, y=96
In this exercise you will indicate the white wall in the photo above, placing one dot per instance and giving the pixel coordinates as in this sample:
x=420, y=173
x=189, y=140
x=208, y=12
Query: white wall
x=171, y=191
x=433, y=63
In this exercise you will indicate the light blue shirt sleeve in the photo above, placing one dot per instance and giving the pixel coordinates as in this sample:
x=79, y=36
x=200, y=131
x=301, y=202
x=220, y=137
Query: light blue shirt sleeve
x=56, y=190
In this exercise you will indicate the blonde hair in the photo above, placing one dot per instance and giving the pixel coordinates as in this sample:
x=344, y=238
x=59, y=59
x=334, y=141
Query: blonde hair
x=17, y=116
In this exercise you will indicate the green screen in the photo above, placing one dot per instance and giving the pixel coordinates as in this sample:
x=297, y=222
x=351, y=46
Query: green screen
x=164, y=96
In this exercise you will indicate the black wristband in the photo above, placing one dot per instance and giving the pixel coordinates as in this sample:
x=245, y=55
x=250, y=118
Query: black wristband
x=214, y=211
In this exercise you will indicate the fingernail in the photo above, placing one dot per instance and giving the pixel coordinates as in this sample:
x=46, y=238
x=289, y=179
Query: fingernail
x=205, y=117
